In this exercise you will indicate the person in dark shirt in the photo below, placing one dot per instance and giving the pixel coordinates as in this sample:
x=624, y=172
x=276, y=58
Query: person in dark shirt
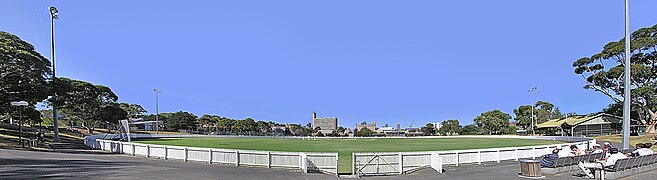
x=548, y=159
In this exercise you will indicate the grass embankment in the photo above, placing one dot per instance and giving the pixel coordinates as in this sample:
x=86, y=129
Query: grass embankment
x=344, y=147
x=617, y=138
x=9, y=137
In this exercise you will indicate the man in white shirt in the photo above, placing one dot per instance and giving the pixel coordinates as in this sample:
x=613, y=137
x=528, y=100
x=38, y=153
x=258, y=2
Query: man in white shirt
x=641, y=150
x=596, y=149
x=615, y=156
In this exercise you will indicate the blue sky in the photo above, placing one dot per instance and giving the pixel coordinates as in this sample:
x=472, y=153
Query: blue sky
x=356, y=60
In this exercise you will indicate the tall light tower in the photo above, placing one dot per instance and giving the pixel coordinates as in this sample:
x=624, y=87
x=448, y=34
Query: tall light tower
x=157, y=111
x=54, y=15
x=533, y=107
x=627, y=100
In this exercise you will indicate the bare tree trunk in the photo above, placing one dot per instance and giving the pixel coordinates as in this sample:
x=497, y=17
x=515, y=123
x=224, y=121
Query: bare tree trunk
x=650, y=125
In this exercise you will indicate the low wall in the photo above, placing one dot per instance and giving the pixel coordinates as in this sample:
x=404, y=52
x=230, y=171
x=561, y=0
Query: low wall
x=306, y=161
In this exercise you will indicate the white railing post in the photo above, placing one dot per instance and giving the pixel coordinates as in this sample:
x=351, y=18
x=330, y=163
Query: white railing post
x=401, y=163
x=210, y=156
x=458, y=159
x=148, y=151
x=337, y=165
x=304, y=163
x=268, y=159
x=517, y=154
x=533, y=153
x=478, y=157
x=186, y=154
x=237, y=158
x=166, y=152
x=498, y=156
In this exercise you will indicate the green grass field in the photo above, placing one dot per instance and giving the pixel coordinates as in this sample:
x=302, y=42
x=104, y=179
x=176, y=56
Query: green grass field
x=345, y=147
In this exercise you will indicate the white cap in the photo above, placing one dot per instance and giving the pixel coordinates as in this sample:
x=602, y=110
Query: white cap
x=607, y=143
x=594, y=145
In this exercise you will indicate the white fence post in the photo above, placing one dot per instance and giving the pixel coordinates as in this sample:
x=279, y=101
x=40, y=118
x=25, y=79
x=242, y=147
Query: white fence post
x=210, y=156
x=533, y=153
x=268, y=159
x=304, y=162
x=237, y=158
x=498, y=156
x=478, y=157
x=186, y=155
x=517, y=154
x=166, y=152
x=401, y=163
x=457, y=159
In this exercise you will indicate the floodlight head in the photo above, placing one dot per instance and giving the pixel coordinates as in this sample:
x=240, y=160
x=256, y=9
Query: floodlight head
x=53, y=12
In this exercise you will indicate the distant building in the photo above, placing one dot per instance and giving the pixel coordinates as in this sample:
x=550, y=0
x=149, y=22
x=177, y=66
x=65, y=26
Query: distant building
x=327, y=123
x=372, y=126
x=437, y=125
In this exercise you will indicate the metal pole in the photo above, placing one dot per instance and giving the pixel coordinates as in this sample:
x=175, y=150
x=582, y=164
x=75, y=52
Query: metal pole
x=54, y=16
x=157, y=112
x=20, y=125
x=627, y=100
x=533, y=107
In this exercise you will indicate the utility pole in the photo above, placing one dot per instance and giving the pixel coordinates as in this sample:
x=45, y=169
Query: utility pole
x=157, y=112
x=533, y=107
x=54, y=15
x=627, y=100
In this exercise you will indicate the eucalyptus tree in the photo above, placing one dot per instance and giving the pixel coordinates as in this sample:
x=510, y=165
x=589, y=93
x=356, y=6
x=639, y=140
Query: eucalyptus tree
x=24, y=73
x=494, y=122
x=89, y=104
x=603, y=72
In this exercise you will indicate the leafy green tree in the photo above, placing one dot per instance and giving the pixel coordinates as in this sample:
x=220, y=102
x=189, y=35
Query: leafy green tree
x=133, y=110
x=340, y=130
x=365, y=132
x=428, y=129
x=262, y=126
x=471, y=129
x=543, y=111
x=86, y=102
x=450, y=127
x=604, y=72
x=179, y=120
x=493, y=122
x=24, y=73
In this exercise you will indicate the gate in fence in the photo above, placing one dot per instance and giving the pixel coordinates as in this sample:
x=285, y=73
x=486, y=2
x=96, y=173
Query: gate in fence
x=375, y=164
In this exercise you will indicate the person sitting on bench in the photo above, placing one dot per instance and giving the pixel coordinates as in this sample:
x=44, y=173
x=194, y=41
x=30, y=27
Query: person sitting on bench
x=548, y=159
x=610, y=161
x=641, y=150
x=574, y=151
x=596, y=149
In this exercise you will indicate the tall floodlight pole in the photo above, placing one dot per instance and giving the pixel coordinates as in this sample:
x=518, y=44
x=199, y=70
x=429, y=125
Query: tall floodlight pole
x=157, y=112
x=533, y=107
x=54, y=15
x=627, y=100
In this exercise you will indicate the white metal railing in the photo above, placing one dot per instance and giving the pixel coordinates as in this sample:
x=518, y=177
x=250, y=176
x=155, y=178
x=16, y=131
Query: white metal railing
x=402, y=162
x=306, y=161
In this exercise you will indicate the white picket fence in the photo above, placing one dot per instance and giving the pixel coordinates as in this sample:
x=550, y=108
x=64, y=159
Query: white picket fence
x=306, y=161
x=389, y=163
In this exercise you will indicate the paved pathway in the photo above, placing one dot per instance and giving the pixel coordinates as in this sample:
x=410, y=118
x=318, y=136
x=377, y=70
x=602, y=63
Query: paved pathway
x=86, y=164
